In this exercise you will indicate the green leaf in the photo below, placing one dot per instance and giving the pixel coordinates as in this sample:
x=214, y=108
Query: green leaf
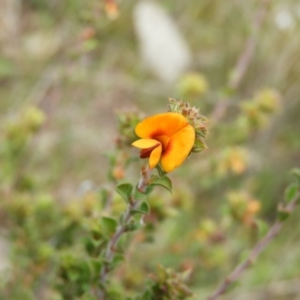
x=89, y=246
x=143, y=209
x=160, y=170
x=262, y=228
x=164, y=182
x=138, y=195
x=94, y=246
x=291, y=191
x=282, y=213
x=132, y=226
x=125, y=191
x=296, y=173
x=109, y=225
x=96, y=233
x=96, y=265
x=118, y=258
x=104, y=196
x=149, y=189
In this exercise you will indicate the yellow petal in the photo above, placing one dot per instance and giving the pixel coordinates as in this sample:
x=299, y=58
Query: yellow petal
x=178, y=148
x=155, y=157
x=145, y=143
x=161, y=125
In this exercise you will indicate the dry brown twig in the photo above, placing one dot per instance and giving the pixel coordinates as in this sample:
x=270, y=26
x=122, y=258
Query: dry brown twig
x=281, y=289
x=258, y=248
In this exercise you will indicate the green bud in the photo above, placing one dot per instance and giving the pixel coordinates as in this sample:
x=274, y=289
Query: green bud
x=33, y=118
x=193, y=84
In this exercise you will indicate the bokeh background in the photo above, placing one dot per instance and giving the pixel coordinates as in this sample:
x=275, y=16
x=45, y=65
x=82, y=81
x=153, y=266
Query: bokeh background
x=68, y=68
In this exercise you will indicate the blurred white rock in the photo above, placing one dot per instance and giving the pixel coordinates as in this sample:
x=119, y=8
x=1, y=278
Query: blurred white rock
x=284, y=19
x=42, y=45
x=163, y=48
x=85, y=187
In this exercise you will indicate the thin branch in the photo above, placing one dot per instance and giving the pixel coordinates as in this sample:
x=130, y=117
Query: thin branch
x=258, y=248
x=274, y=290
x=121, y=229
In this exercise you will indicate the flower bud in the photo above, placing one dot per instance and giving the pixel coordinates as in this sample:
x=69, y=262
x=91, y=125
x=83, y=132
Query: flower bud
x=193, y=85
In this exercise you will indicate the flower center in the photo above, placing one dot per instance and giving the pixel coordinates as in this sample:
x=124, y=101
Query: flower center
x=145, y=153
x=164, y=139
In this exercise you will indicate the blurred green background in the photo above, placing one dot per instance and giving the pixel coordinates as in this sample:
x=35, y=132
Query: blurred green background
x=66, y=69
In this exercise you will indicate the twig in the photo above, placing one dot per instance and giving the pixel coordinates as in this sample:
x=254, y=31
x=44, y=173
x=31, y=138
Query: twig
x=258, y=248
x=243, y=61
x=121, y=229
x=274, y=290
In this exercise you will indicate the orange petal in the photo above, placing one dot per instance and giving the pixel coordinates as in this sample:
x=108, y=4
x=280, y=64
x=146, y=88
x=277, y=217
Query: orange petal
x=164, y=139
x=155, y=156
x=178, y=148
x=160, y=125
x=145, y=143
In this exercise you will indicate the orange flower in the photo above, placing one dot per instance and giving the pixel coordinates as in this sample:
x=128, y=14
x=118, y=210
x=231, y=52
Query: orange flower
x=111, y=8
x=167, y=138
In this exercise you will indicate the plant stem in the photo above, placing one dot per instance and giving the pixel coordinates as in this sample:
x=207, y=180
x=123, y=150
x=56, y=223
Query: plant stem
x=121, y=229
x=258, y=248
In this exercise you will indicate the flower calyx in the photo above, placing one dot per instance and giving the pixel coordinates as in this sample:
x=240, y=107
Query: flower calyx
x=195, y=119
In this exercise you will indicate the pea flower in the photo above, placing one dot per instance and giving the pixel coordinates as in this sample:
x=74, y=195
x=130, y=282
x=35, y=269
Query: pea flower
x=167, y=138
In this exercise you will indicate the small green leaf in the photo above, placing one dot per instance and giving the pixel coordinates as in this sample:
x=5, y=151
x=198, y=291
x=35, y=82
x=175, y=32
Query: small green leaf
x=122, y=218
x=96, y=233
x=164, y=182
x=96, y=265
x=262, y=228
x=109, y=225
x=118, y=258
x=291, y=191
x=296, y=173
x=160, y=170
x=125, y=191
x=89, y=246
x=132, y=226
x=282, y=213
x=149, y=189
x=138, y=195
x=104, y=196
x=143, y=209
